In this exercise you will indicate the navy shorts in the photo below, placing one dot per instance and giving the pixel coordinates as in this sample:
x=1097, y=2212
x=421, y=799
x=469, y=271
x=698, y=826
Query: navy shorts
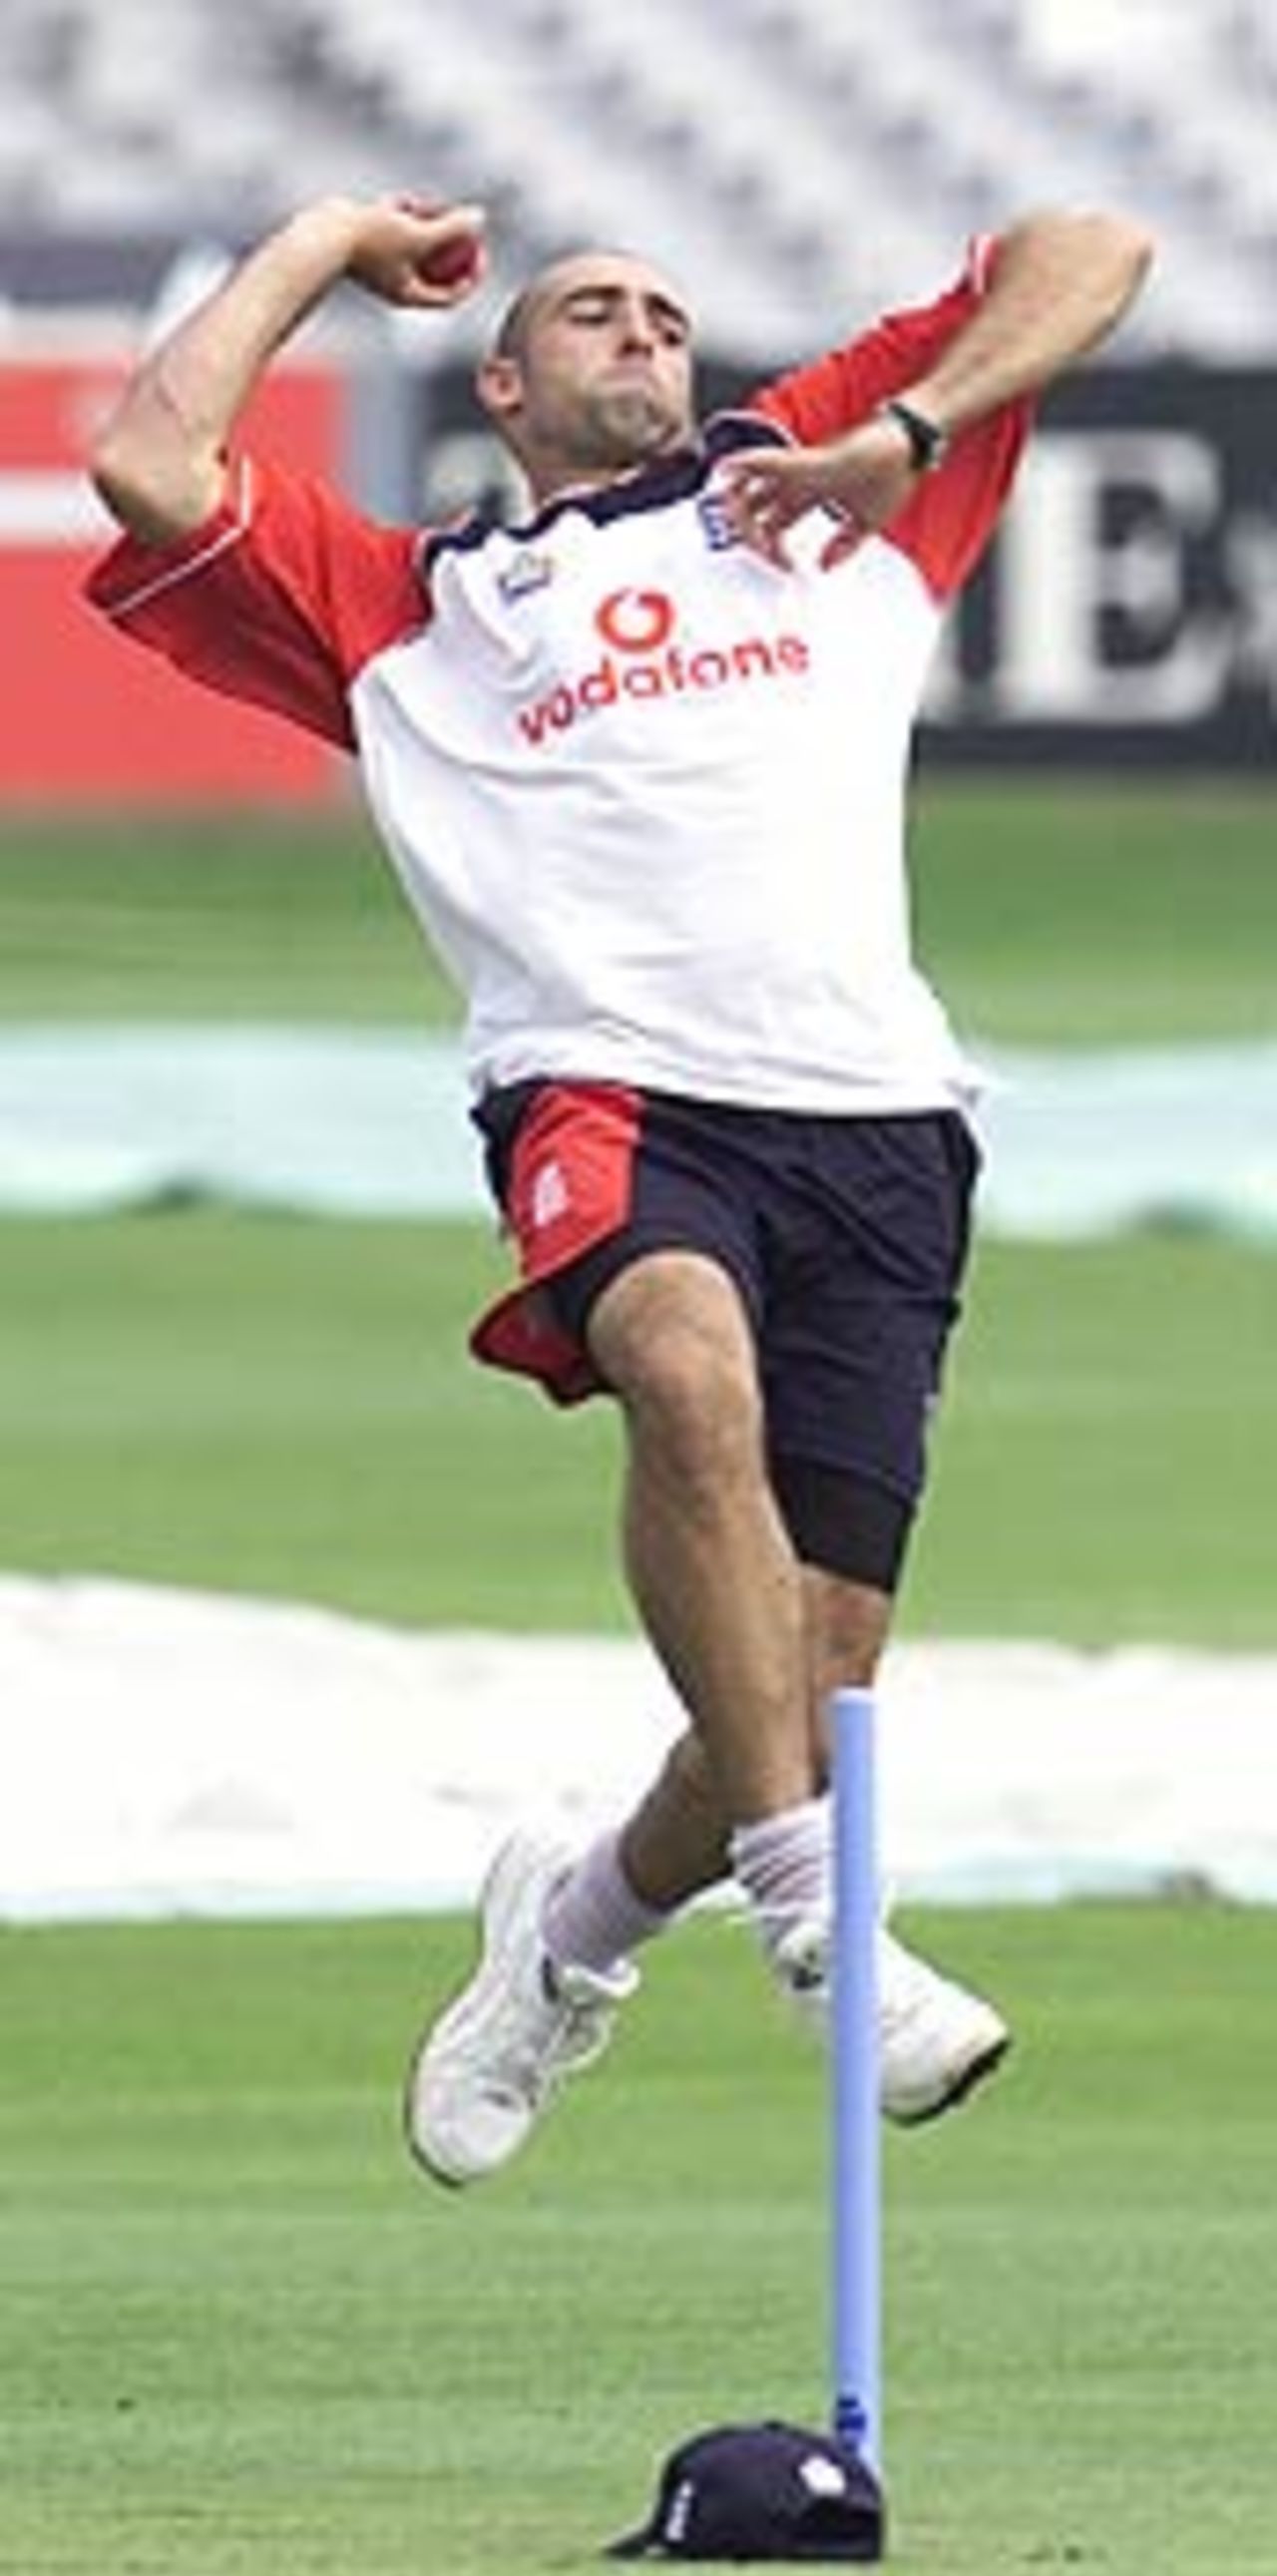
x=847, y=1240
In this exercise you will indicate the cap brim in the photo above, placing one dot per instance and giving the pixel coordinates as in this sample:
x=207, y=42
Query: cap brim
x=635, y=2544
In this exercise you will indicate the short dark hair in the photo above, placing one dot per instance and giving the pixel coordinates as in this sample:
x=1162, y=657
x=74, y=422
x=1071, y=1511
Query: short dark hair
x=510, y=339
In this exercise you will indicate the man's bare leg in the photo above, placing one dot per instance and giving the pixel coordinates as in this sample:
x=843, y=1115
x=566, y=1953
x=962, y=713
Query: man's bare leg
x=713, y=1572
x=676, y=1842
x=753, y=1643
x=709, y=1562
x=936, y=2041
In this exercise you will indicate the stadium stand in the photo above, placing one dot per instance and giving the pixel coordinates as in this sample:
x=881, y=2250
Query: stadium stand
x=765, y=149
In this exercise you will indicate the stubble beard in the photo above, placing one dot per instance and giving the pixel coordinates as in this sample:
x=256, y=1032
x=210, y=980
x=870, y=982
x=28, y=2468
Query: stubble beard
x=624, y=427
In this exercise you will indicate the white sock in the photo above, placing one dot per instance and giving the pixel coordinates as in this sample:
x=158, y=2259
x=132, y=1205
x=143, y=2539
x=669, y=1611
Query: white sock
x=593, y=1919
x=785, y=1865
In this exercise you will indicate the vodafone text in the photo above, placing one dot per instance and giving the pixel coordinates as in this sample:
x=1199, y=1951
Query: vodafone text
x=644, y=663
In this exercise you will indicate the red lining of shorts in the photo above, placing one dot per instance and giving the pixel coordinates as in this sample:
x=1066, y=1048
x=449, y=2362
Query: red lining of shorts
x=571, y=1185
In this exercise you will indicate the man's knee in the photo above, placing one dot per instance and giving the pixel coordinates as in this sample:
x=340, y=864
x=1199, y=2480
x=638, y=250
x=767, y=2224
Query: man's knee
x=671, y=1337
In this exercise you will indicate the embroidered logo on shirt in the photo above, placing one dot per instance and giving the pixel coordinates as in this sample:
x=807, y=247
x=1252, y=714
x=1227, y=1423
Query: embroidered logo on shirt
x=719, y=534
x=528, y=570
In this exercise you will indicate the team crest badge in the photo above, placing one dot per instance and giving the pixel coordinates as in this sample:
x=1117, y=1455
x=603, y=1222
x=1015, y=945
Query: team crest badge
x=711, y=510
x=529, y=569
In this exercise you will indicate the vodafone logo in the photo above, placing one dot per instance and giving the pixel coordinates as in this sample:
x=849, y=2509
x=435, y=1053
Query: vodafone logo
x=644, y=659
x=636, y=621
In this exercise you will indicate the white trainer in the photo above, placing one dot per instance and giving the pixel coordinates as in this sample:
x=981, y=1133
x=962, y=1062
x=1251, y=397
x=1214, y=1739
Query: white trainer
x=936, y=2041
x=484, y=2072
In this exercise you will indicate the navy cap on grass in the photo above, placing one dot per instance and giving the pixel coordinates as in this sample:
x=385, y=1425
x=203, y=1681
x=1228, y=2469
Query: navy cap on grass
x=758, y=2491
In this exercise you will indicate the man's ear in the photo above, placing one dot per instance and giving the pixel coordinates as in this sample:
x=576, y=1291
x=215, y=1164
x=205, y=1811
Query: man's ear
x=499, y=385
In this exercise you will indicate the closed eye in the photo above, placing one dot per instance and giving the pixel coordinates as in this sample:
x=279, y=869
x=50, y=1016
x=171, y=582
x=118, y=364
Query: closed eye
x=599, y=305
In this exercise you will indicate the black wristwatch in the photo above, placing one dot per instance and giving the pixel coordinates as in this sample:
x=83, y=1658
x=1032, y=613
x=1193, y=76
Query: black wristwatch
x=927, y=440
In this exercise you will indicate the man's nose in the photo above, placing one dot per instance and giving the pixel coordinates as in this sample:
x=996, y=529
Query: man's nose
x=637, y=330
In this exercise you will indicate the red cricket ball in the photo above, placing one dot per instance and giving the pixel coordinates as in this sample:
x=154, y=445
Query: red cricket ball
x=452, y=261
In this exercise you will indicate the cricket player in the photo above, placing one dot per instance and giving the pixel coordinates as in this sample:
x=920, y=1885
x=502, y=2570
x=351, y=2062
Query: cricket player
x=640, y=761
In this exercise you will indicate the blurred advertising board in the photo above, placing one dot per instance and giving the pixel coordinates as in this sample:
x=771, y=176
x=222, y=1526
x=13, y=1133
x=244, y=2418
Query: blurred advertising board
x=1128, y=613
x=85, y=718
x=1125, y=617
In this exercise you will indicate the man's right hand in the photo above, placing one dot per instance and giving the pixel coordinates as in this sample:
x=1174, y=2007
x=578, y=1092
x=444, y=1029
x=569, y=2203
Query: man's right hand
x=416, y=252
x=160, y=461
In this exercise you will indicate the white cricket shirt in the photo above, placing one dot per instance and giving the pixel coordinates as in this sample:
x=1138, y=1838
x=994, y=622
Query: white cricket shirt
x=644, y=791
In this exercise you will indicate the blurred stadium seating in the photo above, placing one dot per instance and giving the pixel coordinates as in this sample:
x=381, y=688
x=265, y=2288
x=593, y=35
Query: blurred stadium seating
x=770, y=150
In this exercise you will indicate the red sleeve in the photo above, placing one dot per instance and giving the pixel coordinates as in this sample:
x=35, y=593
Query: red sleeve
x=947, y=523
x=279, y=598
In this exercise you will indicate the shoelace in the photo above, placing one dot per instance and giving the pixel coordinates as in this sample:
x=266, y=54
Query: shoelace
x=804, y=1960
x=905, y=1984
x=574, y=2031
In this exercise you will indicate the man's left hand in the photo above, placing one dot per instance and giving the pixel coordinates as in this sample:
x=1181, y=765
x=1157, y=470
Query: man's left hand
x=861, y=480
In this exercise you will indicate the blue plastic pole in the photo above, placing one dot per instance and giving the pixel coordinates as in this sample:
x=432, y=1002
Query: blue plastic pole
x=856, y=2175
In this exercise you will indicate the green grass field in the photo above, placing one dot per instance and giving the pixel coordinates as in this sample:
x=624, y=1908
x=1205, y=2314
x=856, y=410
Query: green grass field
x=241, y=2335
x=198, y=1397
x=264, y=1406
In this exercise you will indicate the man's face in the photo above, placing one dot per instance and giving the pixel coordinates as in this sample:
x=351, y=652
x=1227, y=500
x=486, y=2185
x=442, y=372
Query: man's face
x=600, y=376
